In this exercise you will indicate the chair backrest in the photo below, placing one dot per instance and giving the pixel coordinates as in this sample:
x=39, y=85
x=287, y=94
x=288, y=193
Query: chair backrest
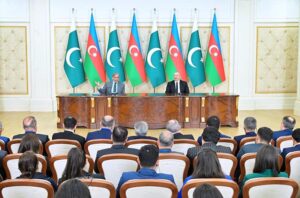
x=11, y=167
x=113, y=166
x=284, y=142
x=292, y=164
x=60, y=147
x=14, y=144
x=228, y=188
x=58, y=164
x=251, y=140
x=2, y=145
x=247, y=163
x=26, y=188
x=148, y=188
x=93, y=146
x=274, y=187
x=100, y=188
x=182, y=145
x=137, y=144
x=228, y=142
x=176, y=165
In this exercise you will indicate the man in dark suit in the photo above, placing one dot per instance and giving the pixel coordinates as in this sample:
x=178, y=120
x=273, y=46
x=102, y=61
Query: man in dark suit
x=70, y=125
x=174, y=127
x=3, y=138
x=106, y=126
x=148, y=160
x=165, y=142
x=141, y=129
x=177, y=86
x=249, y=128
x=30, y=126
x=114, y=87
x=296, y=147
x=119, y=137
x=287, y=126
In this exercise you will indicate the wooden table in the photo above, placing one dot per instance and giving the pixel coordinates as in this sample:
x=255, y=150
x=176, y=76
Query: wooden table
x=156, y=109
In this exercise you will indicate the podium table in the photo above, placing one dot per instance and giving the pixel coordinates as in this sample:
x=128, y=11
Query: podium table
x=156, y=109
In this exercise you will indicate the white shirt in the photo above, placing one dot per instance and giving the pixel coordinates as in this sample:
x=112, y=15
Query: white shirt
x=178, y=84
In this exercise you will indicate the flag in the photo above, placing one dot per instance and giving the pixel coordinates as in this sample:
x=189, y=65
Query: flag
x=113, y=62
x=194, y=61
x=134, y=64
x=93, y=64
x=154, y=62
x=214, y=67
x=175, y=61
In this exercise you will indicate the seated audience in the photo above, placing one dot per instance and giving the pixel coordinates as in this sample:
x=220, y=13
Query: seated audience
x=74, y=168
x=30, y=126
x=213, y=121
x=208, y=166
x=3, y=138
x=70, y=125
x=296, y=141
x=29, y=142
x=73, y=188
x=264, y=136
x=287, y=125
x=249, y=128
x=266, y=164
x=148, y=160
x=174, y=127
x=106, y=126
x=28, y=164
x=207, y=191
x=141, y=129
x=165, y=142
x=119, y=137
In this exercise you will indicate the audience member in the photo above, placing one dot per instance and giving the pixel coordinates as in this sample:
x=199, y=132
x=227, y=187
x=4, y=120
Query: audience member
x=165, y=142
x=70, y=125
x=3, y=138
x=174, y=127
x=106, y=126
x=73, y=188
x=29, y=142
x=249, y=128
x=207, y=191
x=296, y=142
x=286, y=128
x=119, y=137
x=141, y=129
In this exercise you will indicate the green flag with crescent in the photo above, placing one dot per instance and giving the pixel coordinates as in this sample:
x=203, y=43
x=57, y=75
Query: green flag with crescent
x=73, y=62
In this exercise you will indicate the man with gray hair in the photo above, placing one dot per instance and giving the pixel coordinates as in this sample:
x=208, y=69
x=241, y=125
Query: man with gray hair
x=141, y=129
x=107, y=124
x=165, y=142
x=287, y=125
x=249, y=128
x=3, y=138
x=174, y=127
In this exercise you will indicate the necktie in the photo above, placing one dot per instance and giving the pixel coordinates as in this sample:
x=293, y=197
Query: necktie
x=176, y=87
x=115, y=88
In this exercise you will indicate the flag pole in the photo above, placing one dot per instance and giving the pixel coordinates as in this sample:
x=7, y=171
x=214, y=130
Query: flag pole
x=132, y=89
x=194, y=89
x=154, y=89
x=213, y=89
x=73, y=10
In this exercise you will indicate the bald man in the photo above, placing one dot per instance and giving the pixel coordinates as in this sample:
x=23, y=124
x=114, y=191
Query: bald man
x=177, y=86
x=165, y=142
x=107, y=124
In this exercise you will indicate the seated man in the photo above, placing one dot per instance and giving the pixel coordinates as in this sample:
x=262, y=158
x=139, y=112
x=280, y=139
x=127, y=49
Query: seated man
x=106, y=126
x=174, y=127
x=114, y=87
x=70, y=125
x=177, y=86
x=3, y=138
x=148, y=160
x=249, y=128
x=165, y=142
x=287, y=125
x=213, y=121
x=296, y=141
x=30, y=126
x=141, y=129
x=119, y=137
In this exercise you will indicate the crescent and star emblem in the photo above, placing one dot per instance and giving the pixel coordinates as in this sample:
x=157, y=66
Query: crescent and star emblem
x=94, y=54
x=176, y=51
x=151, y=52
x=110, y=51
x=211, y=48
x=68, y=56
x=133, y=47
x=190, y=54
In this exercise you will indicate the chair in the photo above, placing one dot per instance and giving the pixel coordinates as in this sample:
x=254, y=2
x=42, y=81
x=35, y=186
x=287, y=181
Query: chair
x=93, y=146
x=113, y=166
x=26, y=188
x=292, y=164
x=100, y=188
x=247, y=163
x=251, y=140
x=231, y=143
x=60, y=147
x=58, y=164
x=176, y=165
x=2, y=145
x=182, y=145
x=14, y=144
x=284, y=142
x=274, y=187
x=228, y=188
x=137, y=144
x=148, y=188
x=11, y=167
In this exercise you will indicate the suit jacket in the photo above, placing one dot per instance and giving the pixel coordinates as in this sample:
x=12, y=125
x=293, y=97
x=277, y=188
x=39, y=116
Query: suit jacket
x=107, y=88
x=239, y=138
x=70, y=136
x=137, y=137
x=38, y=175
x=285, y=132
x=114, y=149
x=249, y=148
x=103, y=133
x=43, y=138
x=184, y=88
x=289, y=150
x=221, y=136
x=143, y=173
x=2, y=155
x=168, y=151
x=182, y=136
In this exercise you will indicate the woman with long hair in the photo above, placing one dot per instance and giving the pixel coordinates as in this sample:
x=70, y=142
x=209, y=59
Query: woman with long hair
x=29, y=142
